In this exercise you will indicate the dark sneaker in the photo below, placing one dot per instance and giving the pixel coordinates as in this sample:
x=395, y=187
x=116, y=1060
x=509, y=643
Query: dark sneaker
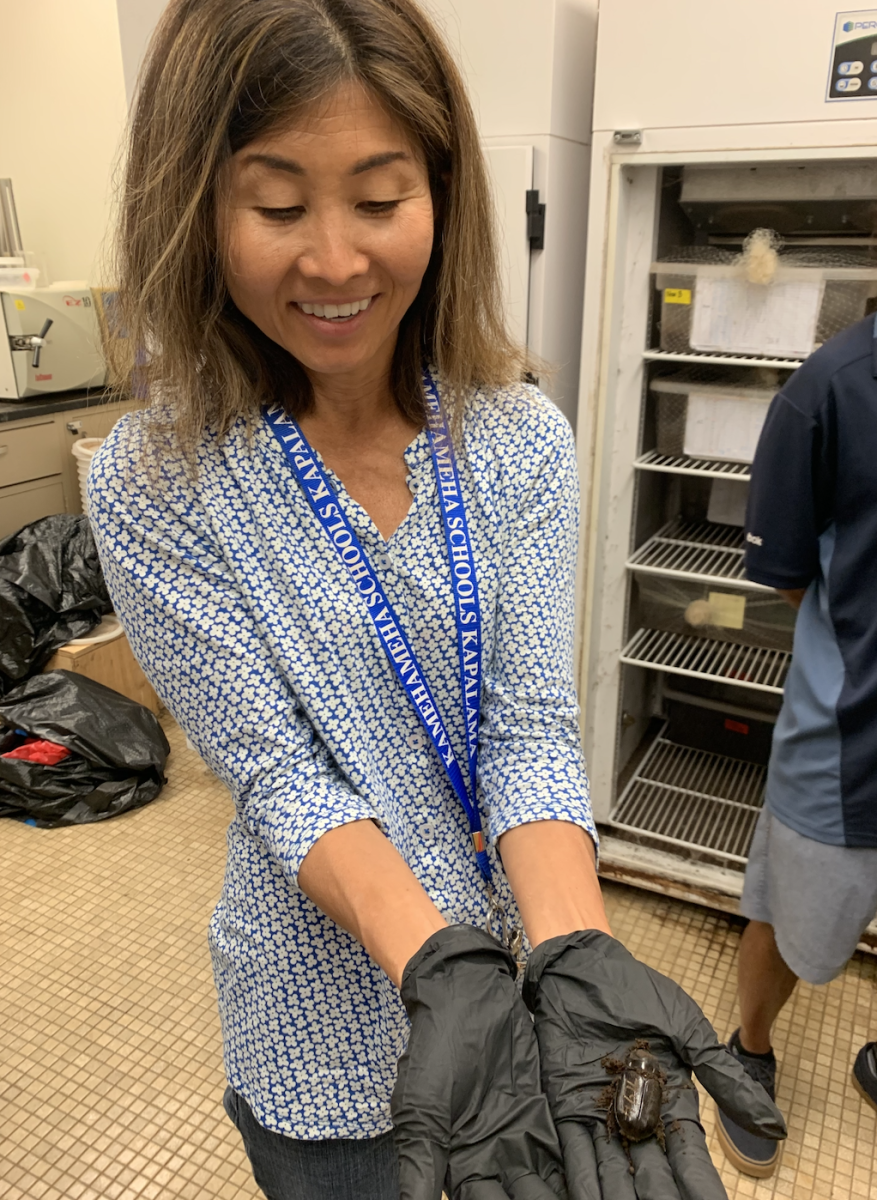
x=865, y=1073
x=751, y=1154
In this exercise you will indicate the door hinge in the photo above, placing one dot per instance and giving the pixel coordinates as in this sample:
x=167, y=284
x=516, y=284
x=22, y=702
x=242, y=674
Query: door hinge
x=535, y=221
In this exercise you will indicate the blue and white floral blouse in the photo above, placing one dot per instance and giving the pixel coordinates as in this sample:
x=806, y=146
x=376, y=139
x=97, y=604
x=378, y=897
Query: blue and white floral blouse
x=256, y=639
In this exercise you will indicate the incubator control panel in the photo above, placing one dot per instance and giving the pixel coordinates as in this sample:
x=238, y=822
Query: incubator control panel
x=853, y=72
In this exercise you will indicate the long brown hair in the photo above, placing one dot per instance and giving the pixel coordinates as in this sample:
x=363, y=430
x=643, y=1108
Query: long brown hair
x=218, y=75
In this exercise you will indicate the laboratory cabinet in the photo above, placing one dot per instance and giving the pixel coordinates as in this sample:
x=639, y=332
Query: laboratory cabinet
x=529, y=68
x=727, y=241
x=38, y=475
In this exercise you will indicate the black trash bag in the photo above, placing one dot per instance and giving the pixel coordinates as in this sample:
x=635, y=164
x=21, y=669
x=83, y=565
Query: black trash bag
x=51, y=590
x=118, y=752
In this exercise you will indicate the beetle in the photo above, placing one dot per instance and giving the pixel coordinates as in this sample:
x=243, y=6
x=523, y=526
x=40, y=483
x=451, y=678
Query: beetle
x=634, y=1098
x=639, y=1094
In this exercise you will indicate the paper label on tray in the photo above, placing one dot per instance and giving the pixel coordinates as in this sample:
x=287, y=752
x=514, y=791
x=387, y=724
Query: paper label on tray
x=725, y=427
x=677, y=296
x=727, y=609
x=732, y=316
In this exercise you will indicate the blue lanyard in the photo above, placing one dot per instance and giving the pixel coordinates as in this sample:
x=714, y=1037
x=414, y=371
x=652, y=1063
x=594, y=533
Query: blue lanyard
x=322, y=497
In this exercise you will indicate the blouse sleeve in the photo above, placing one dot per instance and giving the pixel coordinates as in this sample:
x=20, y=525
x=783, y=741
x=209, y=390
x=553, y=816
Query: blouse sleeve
x=199, y=645
x=531, y=766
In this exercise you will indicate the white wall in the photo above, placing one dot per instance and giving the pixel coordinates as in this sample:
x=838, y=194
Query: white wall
x=529, y=66
x=516, y=57
x=63, y=111
x=137, y=19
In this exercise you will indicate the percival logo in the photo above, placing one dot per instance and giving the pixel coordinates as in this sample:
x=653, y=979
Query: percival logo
x=754, y=539
x=849, y=26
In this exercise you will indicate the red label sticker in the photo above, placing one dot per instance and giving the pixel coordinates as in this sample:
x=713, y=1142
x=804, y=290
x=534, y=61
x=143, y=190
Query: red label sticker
x=41, y=378
x=736, y=726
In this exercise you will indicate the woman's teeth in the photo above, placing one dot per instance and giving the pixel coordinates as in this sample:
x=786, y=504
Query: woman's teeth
x=334, y=312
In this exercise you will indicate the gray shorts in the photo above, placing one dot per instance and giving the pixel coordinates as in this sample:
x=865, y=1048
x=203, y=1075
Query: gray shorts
x=818, y=898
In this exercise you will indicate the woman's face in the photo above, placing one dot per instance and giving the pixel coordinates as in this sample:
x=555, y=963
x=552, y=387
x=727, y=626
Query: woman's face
x=327, y=230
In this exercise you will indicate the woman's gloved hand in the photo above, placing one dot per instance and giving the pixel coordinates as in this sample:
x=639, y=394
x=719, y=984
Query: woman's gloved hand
x=592, y=1000
x=468, y=1111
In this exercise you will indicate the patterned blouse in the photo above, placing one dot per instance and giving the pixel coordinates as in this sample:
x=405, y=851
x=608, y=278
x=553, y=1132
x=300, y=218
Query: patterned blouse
x=253, y=634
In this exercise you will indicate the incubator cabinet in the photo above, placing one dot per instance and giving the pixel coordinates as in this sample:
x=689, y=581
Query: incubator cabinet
x=725, y=245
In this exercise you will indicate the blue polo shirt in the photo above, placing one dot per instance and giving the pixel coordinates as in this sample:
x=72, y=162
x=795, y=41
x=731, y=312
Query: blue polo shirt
x=812, y=523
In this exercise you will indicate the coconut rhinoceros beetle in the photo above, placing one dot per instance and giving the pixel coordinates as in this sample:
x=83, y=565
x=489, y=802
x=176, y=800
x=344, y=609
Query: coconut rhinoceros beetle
x=634, y=1098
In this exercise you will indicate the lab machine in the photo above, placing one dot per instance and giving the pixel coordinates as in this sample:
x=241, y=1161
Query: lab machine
x=51, y=341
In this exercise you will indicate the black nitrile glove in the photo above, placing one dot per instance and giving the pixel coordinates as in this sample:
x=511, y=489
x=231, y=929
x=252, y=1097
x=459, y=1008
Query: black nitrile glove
x=592, y=1000
x=468, y=1110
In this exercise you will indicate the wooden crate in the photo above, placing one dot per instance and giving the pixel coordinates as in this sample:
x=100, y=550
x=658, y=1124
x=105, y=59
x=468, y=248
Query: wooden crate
x=110, y=663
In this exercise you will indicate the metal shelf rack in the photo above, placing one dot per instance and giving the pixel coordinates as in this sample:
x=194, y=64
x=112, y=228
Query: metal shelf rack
x=708, y=658
x=696, y=550
x=705, y=358
x=681, y=464
x=693, y=800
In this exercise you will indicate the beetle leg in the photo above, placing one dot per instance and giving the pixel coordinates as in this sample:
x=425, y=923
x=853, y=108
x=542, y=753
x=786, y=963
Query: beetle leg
x=626, y=1146
x=612, y=1065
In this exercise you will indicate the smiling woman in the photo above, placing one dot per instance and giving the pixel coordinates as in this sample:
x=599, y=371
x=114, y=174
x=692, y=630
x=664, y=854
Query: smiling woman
x=232, y=170
x=330, y=215
x=342, y=544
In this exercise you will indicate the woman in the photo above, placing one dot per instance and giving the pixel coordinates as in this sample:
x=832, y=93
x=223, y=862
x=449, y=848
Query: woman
x=342, y=542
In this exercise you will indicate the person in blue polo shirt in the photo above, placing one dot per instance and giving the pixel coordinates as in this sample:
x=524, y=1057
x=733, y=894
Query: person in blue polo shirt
x=811, y=533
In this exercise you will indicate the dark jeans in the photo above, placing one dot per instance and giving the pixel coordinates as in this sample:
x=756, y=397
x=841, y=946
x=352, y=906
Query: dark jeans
x=338, y=1169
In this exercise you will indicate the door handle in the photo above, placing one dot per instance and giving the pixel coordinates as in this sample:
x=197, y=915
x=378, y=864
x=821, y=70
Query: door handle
x=39, y=341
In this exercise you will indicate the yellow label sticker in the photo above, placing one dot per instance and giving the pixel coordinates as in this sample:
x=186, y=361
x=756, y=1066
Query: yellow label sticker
x=20, y=305
x=727, y=609
x=677, y=295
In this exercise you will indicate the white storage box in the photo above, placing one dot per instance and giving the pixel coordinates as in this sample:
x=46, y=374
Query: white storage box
x=708, y=305
x=15, y=275
x=84, y=451
x=709, y=420
x=707, y=611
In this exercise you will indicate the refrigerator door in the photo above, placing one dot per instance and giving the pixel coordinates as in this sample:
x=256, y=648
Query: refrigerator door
x=511, y=171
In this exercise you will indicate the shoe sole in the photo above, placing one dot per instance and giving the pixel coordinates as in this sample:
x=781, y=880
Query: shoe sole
x=866, y=1096
x=760, y=1170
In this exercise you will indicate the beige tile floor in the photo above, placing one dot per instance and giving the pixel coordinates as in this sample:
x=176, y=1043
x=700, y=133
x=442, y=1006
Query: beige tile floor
x=110, y=1069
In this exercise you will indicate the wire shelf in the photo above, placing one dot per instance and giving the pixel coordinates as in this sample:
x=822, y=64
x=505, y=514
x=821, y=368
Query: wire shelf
x=681, y=464
x=721, y=360
x=693, y=799
x=707, y=658
x=696, y=550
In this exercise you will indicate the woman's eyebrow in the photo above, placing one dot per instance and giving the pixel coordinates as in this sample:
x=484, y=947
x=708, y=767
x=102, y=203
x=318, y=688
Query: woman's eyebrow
x=275, y=163
x=380, y=160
